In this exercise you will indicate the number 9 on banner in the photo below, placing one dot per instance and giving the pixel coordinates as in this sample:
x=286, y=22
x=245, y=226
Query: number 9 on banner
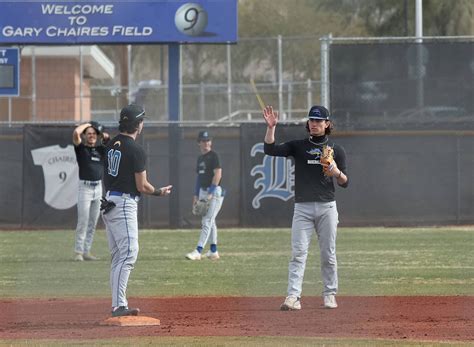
x=191, y=19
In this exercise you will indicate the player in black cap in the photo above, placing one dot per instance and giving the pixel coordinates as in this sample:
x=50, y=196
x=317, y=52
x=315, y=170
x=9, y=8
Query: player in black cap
x=125, y=180
x=208, y=188
x=315, y=205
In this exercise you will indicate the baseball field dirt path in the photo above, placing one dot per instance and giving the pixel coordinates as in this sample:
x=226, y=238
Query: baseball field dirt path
x=435, y=318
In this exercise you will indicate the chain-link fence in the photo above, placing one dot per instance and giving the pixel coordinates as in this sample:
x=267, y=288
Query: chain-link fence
x=400, y=84
x=215, y=83
x=368, y=83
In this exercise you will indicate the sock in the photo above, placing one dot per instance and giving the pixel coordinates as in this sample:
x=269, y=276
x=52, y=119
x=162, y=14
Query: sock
x=213, y=248
x=199, y=249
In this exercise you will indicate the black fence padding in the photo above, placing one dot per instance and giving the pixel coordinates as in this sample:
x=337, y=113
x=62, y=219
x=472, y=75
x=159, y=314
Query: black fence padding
x=396, y=178
x=11, y=175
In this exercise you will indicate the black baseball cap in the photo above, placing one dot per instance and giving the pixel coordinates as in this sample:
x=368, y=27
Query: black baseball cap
x=131, y=113
x=318, y=112
x=204, y=136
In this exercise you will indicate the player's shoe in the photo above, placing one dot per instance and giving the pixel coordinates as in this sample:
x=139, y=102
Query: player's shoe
x=78, y=257
x=194, y=255
x=330, y=301
x=90, y=256
x=125, y=311
x=212, y=255
x=291, y=303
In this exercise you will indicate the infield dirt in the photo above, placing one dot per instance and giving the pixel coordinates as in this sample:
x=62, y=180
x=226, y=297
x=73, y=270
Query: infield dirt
x=435, y=318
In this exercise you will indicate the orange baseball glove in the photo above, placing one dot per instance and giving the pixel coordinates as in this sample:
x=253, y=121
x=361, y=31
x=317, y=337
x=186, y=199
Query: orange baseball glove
x=327, y=160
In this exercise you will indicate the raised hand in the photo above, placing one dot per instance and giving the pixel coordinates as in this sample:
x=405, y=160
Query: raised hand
x=270, y=116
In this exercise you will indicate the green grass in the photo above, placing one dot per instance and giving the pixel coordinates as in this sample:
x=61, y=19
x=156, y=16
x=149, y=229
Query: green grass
x=372, y=261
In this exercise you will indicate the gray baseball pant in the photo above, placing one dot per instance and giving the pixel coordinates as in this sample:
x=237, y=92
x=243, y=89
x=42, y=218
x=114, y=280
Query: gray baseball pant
x=88, y=208
x=309, y=217
x=122, y=234
x=208, y=222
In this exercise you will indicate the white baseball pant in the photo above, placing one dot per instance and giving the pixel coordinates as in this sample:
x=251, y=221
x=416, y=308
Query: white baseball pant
x=122, y=233
x=88, y=208
x=309, y=217
x=208, y=222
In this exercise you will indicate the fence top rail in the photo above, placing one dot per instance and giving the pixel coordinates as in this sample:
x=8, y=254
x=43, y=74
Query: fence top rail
x=359, y=38
x=114, y=124
x=398, y=38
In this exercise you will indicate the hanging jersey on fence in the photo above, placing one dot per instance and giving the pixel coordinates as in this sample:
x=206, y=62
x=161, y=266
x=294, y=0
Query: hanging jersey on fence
x=61, y=175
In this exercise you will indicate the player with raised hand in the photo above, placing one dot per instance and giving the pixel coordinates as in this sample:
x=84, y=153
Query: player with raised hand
x=318, y=163
x=125, y=180
x=88, y=139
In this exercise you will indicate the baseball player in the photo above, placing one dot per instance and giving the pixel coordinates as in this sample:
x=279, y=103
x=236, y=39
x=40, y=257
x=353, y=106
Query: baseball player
x=125, y=180
x=208, y=180
x=315, y=206
x=89, y=154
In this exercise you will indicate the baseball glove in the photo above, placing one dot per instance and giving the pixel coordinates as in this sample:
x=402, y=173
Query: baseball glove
x=200, y=207
x=106, y=206
x=327, y=160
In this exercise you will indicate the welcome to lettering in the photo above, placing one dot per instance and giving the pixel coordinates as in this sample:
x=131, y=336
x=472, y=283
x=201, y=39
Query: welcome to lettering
x=77, y=9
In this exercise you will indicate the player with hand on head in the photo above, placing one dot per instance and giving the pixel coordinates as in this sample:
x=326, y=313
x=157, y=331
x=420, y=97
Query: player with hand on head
x=209, y=190
x=125, y=180
x=319, y=162
x=88, y=140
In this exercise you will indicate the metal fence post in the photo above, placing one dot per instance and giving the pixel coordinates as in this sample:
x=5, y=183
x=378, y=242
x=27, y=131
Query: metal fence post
x=33, y=83
x=229, y=81
x=202, y=101
x=309, y=94
x=420, y=55
x=290, y=96
x=181, y=97
x=280, y=78
x=129, y=69
x=325, y=94
x=10, y=112
x=81, y=92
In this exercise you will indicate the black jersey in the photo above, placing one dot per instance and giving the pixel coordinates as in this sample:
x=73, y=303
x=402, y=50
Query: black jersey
x=310, y=182
x=206, y=164
x=90, y=161
x=124, y=158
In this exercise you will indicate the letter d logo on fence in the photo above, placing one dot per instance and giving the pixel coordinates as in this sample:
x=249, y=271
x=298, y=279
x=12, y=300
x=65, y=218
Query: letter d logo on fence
x=276, y=177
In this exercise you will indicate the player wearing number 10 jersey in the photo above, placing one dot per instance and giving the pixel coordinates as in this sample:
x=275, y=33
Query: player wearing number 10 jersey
x=125, y=180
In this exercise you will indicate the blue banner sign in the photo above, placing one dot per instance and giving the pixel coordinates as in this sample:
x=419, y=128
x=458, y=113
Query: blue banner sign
x=9, y=71
x=118, y=21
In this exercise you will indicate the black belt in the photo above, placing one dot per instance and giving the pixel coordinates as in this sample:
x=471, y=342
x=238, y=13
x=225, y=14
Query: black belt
x=91, y=183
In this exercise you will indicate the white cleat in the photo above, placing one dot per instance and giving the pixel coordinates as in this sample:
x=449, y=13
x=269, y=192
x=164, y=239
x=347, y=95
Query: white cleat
x=291, y=303
x=330, y=301
x=194, y=255
x=212, y=255
x=89, y=256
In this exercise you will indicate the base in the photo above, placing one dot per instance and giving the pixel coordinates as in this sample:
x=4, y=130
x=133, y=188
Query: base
x=130, y=321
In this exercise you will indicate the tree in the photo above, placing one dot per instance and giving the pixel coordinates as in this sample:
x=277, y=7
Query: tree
x=397, y=18
x=301, y=23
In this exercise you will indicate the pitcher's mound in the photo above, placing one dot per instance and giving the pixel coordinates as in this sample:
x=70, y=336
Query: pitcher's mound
x=130, y=321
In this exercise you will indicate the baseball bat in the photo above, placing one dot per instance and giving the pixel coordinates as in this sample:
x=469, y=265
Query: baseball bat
x=259, y=99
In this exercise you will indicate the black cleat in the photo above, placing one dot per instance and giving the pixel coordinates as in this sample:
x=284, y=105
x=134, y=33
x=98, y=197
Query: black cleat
x=125, y=311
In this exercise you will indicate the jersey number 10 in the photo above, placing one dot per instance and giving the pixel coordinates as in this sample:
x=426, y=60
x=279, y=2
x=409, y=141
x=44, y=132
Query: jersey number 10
x=113, y=158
